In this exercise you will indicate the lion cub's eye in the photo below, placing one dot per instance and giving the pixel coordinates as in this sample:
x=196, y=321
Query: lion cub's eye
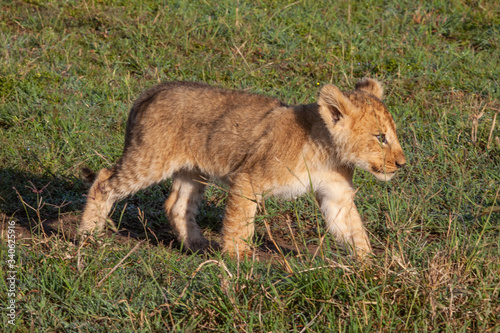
x=381, y=138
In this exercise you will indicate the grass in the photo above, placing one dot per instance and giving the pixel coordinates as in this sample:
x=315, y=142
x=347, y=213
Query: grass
x=69, y=72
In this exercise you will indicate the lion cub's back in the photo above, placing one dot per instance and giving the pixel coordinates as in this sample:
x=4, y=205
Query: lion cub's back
x=211, y=127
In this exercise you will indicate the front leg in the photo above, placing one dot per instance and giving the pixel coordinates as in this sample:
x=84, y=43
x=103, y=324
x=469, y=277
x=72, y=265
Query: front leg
x=238, y=226
x=336, y=200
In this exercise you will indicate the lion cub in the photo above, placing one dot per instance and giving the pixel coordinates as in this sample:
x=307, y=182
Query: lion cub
x=258, y=146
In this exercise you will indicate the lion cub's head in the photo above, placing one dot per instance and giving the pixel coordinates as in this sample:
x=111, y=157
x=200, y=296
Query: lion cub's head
x=362, y=128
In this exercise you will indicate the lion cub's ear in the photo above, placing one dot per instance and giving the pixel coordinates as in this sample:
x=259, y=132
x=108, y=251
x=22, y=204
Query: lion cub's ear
x=333, y=104
x=371, y=86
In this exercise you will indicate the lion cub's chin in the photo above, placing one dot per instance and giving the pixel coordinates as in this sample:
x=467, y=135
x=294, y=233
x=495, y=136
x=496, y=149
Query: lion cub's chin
x=383, y=176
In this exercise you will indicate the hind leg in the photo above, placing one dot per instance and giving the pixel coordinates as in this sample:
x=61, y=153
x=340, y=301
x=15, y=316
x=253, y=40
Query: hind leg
x=128, y=176
x=181, y=208
x=100, y=200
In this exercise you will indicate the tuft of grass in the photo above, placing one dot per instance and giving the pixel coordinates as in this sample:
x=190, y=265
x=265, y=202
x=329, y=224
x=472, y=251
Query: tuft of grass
x=69, y=72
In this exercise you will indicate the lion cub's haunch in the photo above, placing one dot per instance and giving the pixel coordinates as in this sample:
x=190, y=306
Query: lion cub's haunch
x=258, y=146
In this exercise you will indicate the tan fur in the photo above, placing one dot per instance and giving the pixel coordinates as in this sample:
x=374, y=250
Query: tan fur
x=256, y=145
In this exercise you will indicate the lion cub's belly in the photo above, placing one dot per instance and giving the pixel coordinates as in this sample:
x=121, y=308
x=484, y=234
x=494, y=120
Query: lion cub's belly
x=295, y=187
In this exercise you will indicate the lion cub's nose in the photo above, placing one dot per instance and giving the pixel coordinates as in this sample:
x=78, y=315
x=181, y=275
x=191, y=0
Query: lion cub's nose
x=400, y=161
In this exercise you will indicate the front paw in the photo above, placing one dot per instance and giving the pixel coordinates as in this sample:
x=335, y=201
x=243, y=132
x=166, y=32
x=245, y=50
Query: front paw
x=240, y=252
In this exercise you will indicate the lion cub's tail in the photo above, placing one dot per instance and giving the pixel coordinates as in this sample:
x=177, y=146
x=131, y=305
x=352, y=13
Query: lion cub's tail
x=88, y=176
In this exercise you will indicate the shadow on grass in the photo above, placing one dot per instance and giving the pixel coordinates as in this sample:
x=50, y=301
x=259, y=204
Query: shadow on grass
x=48, y=205
x=37, y=202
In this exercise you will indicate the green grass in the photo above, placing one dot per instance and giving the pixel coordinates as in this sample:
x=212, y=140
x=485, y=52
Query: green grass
x=69, y=72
